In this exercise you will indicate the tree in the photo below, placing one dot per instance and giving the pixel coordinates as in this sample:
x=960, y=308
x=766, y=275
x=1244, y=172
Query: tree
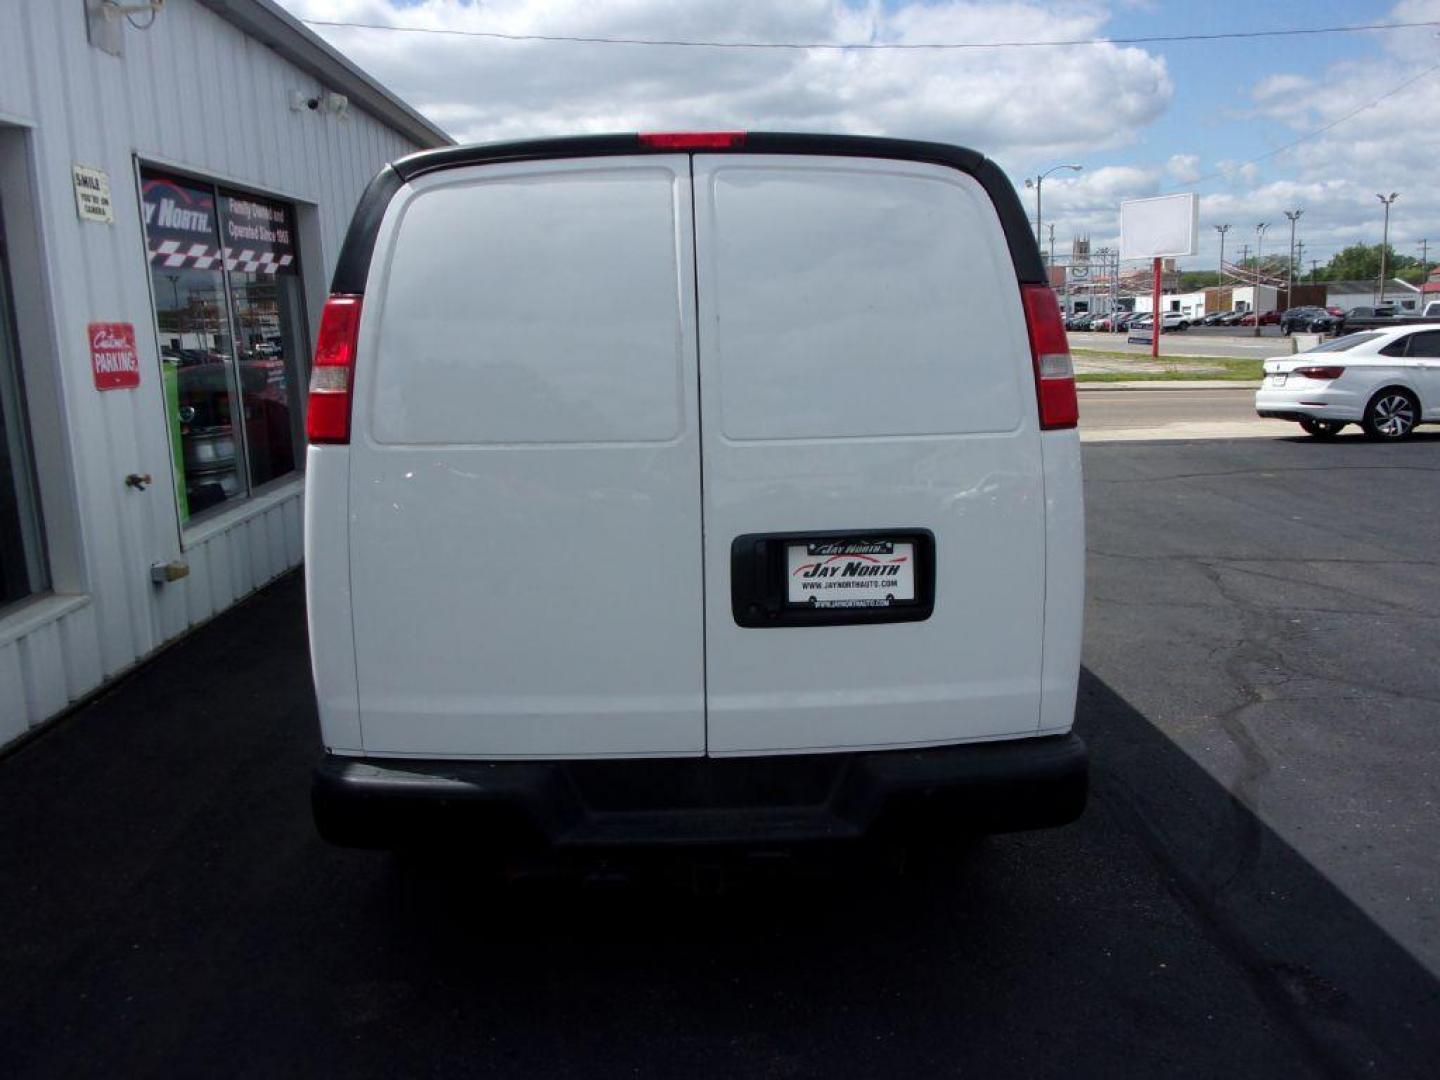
x=1361, y=262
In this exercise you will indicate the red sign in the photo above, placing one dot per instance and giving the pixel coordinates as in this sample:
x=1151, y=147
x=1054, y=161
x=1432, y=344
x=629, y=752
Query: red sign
x=113, y=356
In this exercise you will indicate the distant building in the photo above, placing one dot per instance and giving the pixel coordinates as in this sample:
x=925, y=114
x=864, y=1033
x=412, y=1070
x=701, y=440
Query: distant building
x=1203, y=301
x=1348, y=294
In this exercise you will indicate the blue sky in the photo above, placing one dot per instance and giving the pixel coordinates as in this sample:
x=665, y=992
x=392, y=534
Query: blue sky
x=1141, y=119
x=1213, y=79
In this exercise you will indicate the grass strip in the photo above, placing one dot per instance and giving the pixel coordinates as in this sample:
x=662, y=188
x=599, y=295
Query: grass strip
x=1176, y=368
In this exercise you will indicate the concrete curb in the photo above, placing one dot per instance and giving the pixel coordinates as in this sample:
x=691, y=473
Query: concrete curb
x=1175, y=384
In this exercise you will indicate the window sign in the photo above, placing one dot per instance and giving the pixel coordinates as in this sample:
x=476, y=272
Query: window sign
x=257, y=234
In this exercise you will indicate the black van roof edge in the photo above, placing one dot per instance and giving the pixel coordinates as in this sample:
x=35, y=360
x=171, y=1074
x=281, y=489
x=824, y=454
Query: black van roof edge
x=353, y=266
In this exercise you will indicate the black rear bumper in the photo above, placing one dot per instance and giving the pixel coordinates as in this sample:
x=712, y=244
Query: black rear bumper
x=744, y=802
x=1283, y=414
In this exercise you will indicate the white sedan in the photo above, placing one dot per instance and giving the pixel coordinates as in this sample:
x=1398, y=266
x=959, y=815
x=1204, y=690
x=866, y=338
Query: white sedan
x=1387, y=381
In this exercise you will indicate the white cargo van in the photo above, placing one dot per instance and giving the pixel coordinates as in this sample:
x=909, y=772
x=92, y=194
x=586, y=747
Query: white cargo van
x=717, y=488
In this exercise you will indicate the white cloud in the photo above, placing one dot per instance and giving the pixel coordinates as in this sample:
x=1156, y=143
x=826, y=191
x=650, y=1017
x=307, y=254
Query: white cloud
x=1334, y=176
x=1027, y=108
x=1183, y=168
x=1017, y=104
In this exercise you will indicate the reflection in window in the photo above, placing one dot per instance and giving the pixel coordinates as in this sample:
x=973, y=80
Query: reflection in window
x=231, y=322
x=267, y=317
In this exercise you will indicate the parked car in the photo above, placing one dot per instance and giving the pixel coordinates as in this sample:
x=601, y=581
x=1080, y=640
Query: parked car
x=1309, y=319
x=1079, y=321
x=1169, y=321
x=1231, y=317
x=1103, y=322
x=1125, y=319
x=527, y=620
x=1387, y=381
x=1385, y=316
x=1213, y=318
x=1266, y=318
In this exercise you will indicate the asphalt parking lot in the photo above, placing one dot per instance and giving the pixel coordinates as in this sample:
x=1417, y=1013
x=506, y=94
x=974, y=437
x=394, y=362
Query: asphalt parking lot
x=1253, y=891
x=1197, y=341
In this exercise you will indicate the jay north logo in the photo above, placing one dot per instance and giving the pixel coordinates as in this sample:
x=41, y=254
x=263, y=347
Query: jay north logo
x=852, y=547
x=846, y=559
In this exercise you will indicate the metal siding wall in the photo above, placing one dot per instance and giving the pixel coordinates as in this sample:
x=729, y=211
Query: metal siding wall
x=192, y=92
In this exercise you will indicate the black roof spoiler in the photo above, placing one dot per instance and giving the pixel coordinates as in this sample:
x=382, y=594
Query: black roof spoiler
x=353, y=266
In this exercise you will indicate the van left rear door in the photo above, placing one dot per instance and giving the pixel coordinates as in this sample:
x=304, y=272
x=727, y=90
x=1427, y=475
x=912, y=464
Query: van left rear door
x=525, y=464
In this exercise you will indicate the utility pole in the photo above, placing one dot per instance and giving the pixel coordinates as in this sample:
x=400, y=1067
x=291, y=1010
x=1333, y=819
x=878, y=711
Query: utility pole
x=1314, y=270
x=1294, y=216
x=1259, y=249
x=1424, y=261
x=1385, y=240
x=1036, y=184
x=1051, y=227
x=1220, y=277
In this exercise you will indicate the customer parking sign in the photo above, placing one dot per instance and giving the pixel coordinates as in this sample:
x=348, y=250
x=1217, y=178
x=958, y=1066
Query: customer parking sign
x=113, y=357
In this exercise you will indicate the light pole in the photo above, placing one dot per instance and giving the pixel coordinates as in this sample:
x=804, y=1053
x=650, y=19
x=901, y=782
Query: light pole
x=1259, y=250
x=1036, y=184
x=1385, y=240
x=1051, y=227
x=1424, y=262
x=1294, y=216
x=1220, y=277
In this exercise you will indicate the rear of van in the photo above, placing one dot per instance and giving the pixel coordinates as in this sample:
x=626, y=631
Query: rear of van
x=717, y=488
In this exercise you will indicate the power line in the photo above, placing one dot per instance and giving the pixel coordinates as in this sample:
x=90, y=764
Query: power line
x=1311, y=134
x=877, y=46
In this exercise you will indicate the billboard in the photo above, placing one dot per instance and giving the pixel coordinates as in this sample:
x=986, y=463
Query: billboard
x=1159, y=227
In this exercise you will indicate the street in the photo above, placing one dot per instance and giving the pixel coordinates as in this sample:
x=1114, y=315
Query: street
x=1252, y=891
x=1140, y=412
x=1155, y=412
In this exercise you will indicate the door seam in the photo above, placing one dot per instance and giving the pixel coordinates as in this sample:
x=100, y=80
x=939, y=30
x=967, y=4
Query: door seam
x=700, y=437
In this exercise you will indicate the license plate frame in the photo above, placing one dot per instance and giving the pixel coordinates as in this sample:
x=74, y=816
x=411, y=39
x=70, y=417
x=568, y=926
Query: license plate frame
x=847, y=574
x=760, y=570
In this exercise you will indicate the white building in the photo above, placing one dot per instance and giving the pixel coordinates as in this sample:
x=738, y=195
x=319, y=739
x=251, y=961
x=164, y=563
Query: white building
x=174, y=188
x=1349, y=294
x=1191, y=303
x=1194, y=304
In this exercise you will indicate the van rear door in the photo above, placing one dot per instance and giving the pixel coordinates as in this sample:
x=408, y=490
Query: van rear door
x=525, y=461
x=870, y=434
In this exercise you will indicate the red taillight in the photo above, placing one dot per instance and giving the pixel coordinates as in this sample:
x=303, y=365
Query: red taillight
x=692, y=140
x=327, y=417
x=1319, y=372
x=1050, y=351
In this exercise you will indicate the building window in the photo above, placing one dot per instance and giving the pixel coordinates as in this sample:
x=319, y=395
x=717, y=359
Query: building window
x=22, y=543
x=225, y=276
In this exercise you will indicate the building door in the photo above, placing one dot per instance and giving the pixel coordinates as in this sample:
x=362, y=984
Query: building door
x=23, y=569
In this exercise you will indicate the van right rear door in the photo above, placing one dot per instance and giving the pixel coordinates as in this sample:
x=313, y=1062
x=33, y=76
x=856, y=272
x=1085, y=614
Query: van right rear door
x=868, y=402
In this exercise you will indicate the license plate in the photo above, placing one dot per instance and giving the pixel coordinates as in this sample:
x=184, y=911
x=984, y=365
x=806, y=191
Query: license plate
x=1278, y=380
x=850, y=573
